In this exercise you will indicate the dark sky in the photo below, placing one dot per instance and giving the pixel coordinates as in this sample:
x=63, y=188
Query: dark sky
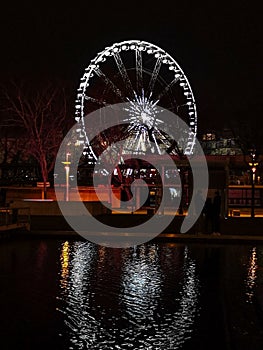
x=218, y=45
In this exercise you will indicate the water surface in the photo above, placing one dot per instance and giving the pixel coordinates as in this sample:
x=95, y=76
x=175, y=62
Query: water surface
x=70, y=294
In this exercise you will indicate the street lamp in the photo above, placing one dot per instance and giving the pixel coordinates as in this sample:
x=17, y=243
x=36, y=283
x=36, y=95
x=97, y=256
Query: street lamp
x=253, y=168
x=67, y=164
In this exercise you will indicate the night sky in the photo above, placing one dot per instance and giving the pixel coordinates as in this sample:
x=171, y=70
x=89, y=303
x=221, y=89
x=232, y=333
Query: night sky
x=219, y=46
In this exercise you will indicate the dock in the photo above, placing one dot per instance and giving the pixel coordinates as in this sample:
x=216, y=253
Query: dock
x=14, y=219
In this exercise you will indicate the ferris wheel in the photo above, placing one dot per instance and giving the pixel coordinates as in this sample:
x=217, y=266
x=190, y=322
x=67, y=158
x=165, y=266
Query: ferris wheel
x=146, y=78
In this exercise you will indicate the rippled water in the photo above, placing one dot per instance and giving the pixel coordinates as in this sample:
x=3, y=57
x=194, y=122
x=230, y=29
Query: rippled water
x=66, y=294
x=118, y=299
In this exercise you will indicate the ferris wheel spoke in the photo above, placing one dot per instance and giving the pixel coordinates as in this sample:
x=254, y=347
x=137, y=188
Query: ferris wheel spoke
x=155, y=73
x=156, y=144
x=139, y=80
x=139, y=143
x=137, y=140
x=190, y=105
x=167, y=88
x=169, y=143
x=109, y=83
x=131, y=141
x=124, y=74
x=94, y=100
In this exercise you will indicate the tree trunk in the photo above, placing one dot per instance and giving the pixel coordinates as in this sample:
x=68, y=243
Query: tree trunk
x=44, y=172
x=45, y=190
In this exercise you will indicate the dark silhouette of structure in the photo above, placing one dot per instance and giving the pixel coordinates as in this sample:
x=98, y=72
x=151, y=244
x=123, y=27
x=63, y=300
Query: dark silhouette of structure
x=208, y=216
x=216, y=213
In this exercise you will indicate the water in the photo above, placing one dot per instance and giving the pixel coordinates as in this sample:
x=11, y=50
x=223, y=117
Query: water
x=67, y=294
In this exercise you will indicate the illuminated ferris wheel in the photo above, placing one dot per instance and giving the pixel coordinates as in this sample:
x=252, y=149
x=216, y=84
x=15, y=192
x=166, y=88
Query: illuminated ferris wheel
x=146, y=78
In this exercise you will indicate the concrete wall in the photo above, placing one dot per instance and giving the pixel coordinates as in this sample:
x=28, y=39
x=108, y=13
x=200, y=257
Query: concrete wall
x=51, y=208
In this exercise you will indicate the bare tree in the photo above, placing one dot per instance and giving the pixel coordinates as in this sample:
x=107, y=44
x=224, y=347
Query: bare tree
x=9, y=146
x=41, y=114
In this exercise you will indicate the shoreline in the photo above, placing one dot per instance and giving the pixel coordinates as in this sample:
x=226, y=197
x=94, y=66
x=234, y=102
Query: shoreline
x=171, y=238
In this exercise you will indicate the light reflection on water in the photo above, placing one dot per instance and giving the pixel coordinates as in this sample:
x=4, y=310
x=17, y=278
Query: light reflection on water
x=251, y=275
x=64, y=259
x=140, y=298
x=59, y=294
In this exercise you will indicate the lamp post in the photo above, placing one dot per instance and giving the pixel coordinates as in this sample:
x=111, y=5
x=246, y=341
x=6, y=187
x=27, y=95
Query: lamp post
x=253, y=168
x=67, y=164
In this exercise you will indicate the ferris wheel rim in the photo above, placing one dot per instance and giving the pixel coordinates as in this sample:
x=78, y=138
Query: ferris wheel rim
x=150, y=49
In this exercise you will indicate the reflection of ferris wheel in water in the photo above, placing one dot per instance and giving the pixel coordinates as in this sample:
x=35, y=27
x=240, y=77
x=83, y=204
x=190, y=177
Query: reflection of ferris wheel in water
x=145, y=76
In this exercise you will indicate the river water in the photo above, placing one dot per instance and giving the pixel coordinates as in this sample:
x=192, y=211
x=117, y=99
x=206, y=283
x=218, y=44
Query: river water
x=73, y=294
